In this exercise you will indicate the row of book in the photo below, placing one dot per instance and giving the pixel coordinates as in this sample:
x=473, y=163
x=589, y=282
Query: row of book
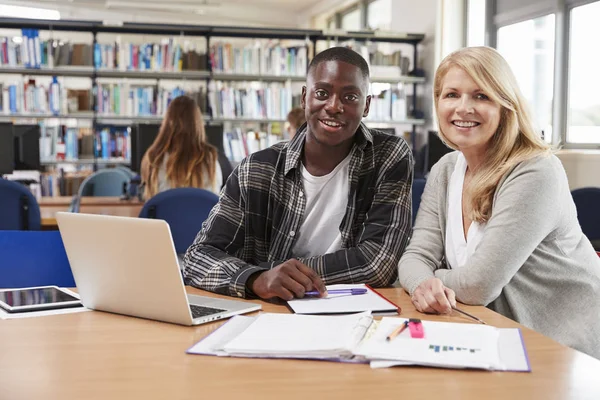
x=123, y=99
x=243, y=100
x=257, y=59
x=60, y=183
x=63, y=143
x=27, y=96
x=32, y=52
x=389, y=105
x=239, y=144
x=168, y=55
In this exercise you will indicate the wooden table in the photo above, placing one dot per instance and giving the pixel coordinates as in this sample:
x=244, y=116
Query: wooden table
x=96, y=355
x=49, y=206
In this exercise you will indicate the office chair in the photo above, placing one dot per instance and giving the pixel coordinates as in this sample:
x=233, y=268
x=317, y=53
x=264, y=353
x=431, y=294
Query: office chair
x=19, y=210
x=184, y=209
x=587, y=202
x=417, y=191
x=105, y=182
x=33, y=259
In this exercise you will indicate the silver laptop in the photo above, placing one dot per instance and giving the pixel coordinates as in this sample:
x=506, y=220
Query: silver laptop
x=129, y=266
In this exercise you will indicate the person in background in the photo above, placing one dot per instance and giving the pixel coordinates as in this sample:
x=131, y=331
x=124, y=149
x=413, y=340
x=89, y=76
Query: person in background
x=180, y=155
x=295, y=119
x=497, y=225
x=332, y=205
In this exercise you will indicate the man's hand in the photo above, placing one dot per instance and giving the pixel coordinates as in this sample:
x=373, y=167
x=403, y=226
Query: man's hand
x=288, y=280
x=431, y=296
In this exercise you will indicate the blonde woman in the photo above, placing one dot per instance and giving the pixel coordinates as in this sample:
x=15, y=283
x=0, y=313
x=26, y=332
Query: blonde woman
x=497, y=225
x=180, y=155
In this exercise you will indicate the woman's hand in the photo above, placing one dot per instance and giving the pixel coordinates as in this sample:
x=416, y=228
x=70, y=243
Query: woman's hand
x=431, y=296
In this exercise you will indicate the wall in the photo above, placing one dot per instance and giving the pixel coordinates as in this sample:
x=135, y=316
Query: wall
x=582, y=167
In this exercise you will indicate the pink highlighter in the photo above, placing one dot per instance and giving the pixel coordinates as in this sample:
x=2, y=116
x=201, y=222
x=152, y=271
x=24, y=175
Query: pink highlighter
x=416, y=328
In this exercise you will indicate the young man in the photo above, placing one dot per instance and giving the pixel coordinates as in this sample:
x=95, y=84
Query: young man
x=333, y=205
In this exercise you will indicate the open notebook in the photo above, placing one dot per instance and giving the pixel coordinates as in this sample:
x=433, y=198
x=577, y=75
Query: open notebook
x=357, y=338
x=344, y=303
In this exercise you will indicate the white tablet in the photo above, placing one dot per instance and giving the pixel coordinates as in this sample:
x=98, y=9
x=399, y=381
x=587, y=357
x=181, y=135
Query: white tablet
x=36, y=299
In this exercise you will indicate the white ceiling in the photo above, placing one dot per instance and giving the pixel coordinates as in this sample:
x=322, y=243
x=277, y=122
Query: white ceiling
x=280, y=13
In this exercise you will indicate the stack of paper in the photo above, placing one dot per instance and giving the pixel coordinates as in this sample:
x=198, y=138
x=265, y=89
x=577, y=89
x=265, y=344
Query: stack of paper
x=344, y=303
x=357, y=338
x=447, y=345
x=287, y=336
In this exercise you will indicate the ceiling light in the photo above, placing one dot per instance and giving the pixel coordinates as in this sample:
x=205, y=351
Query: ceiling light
x=28, y=12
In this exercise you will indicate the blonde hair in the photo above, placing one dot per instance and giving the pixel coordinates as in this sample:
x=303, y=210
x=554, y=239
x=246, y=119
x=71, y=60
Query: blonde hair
x=183, y=139
x=515, y=140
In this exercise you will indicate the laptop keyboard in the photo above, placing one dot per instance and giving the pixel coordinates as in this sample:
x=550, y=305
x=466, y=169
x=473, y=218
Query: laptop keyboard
x=199, y=311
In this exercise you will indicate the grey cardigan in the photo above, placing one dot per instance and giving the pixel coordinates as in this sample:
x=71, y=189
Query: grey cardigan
x=533, y=264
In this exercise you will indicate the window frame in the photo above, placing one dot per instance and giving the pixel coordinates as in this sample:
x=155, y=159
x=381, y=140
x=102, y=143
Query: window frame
x=563, y=13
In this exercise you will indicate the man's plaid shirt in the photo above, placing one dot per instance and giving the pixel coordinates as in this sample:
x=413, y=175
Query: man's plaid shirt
x=257, y=220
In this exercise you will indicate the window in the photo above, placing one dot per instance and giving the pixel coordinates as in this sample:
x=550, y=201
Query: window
x=584, y=85
x=529, y=49
x=379, y=14
x=351, y=19
x=475, y=22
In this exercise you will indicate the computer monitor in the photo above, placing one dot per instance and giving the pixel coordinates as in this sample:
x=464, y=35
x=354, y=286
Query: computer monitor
x=142, y=137
x=27, y=147
x=436, y=149
x=214, y=136
x=7, y=158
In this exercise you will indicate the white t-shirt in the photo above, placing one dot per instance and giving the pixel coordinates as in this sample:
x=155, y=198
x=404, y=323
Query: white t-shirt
x=165, y=184
x=326, y=201
x=459, y=250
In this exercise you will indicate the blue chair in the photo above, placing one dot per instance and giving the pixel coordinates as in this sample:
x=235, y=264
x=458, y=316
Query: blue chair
x=105, y=182
x=33, y=259
x=587, y=202
x=417, y=191
x=184, y=209
x=19, y=210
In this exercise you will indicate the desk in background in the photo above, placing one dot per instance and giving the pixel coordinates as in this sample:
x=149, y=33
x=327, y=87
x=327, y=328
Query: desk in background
x=96, y=355
x=49, y=206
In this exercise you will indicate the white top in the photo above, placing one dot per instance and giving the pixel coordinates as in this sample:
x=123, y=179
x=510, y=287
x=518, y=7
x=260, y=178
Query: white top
x=165, y=184
x=326, y=201
x=459, y=250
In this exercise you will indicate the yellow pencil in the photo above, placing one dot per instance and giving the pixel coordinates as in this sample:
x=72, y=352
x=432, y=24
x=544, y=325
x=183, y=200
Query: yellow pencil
x=397, y=331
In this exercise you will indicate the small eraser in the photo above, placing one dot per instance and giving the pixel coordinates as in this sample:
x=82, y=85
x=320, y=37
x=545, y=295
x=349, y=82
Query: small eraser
x=416, y=330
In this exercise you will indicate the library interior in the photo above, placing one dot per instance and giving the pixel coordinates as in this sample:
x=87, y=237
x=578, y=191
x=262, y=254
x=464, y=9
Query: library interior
x=136, y=136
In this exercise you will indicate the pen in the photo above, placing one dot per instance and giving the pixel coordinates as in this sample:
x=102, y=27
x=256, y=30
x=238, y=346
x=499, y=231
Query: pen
x=354, y=291
x=468, y=315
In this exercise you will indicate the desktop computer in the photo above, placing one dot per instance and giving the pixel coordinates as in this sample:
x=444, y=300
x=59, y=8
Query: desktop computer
x=143, y=135
x=7, y=159
x=26, y=147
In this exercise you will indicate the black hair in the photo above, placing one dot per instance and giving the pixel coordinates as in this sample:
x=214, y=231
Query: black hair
x=341, y=54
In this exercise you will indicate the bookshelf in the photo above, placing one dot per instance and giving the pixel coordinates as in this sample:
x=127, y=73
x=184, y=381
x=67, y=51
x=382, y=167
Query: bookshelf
x=216, y=64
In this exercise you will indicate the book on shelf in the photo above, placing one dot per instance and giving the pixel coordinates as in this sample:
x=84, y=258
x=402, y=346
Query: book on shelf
x=33, y=52
x=239, y=144
x=112, y=143
x=388, y=105
x=24, y=96
x=166, y=55
x=258, y=59
x=256, y=100
x=125, y=99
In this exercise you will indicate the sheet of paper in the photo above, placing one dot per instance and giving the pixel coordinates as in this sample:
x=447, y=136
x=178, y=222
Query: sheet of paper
x=302, y=336
x=513, y=356
x=450, y=345
x=342, y=303
x=31, y=314
x=214, y=343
